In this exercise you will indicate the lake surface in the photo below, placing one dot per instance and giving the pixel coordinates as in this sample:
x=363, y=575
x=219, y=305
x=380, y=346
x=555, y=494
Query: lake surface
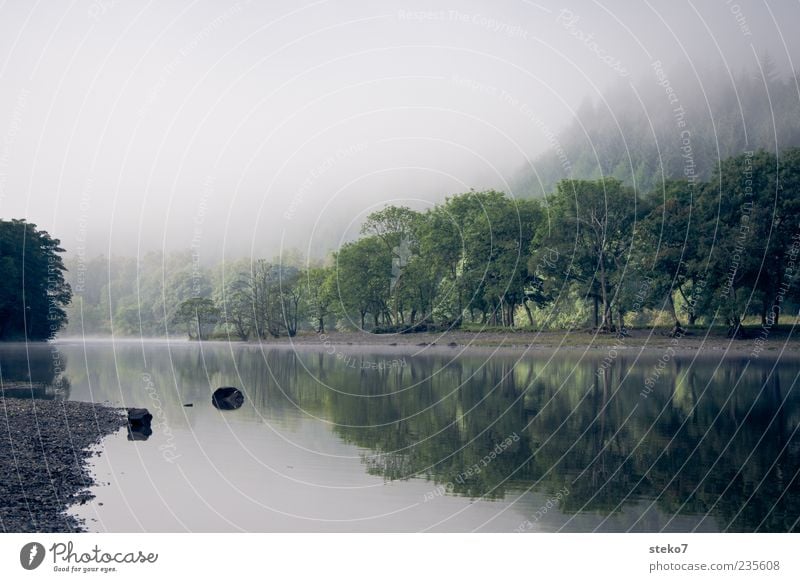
x=416, y=439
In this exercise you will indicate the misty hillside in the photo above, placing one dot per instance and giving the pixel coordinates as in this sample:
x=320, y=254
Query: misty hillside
x=675, y=122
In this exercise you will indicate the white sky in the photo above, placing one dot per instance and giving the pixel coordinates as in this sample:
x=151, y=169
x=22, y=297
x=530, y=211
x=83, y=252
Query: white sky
x=130, y=126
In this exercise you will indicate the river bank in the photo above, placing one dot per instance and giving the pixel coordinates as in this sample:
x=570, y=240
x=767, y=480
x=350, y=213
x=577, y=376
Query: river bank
x=44, y=449
x=758, y=343
x=778, y=342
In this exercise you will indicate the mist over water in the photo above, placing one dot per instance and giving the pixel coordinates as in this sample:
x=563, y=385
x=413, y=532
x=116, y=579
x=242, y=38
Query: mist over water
x=240, y=129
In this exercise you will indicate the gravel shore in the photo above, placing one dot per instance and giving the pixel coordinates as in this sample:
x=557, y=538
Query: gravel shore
x=44, y=448
x=779, y=342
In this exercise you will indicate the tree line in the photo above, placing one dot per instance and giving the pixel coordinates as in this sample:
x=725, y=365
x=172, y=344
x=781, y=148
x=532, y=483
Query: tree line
x=594, y=253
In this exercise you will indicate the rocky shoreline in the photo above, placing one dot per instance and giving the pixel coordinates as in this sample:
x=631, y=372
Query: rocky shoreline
x=44, y=449
x=779, y=343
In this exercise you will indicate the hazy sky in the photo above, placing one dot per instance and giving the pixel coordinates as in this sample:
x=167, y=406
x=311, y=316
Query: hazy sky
x=237, y=127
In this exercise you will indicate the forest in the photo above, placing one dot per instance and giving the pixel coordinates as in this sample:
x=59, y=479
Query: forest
x=637, y=133
x=593, y=254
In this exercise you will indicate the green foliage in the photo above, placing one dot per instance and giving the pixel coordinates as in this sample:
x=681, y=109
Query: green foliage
x=33, y=291
x=363, y=277
x=595, y=253
x=198, y=314
x=588, y=240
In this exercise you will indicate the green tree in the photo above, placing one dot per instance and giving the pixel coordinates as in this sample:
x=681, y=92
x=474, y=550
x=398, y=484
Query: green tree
x=363, y=276
x=198, y=314
x=320, y=295
x=667, y=249
x=396, y=227
x=587, y=240
x=33, y=291
x=234, y=298
x=753, y=206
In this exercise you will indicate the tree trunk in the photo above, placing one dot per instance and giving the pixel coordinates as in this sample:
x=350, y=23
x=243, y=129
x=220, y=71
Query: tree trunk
x=528, y=313
x=606, y=307
x=672, y=311
x=197, y=322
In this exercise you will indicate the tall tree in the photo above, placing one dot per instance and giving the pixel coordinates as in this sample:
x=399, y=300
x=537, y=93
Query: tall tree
x=590, y=231
x=33, y=291
x=320, y=295
x=198, y=314
x=363, y=276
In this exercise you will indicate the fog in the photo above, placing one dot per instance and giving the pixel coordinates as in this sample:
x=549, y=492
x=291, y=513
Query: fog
x=243, y=128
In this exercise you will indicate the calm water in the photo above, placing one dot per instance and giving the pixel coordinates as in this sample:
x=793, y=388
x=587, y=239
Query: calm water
x=396, y=440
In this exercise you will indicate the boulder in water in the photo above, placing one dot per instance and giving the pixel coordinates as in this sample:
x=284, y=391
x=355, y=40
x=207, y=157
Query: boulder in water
x=139, y=420
x=227, y=398
x=139, y=416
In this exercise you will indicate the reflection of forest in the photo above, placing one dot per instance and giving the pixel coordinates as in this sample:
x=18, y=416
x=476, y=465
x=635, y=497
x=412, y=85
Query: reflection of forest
x=35, y=371
x=705, y=440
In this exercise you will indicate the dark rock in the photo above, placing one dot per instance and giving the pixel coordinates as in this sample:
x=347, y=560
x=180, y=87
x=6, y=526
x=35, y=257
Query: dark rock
x=139, y=433
x=189, y=405
x=139, y=420
x=227, y=398
x=139, y=416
